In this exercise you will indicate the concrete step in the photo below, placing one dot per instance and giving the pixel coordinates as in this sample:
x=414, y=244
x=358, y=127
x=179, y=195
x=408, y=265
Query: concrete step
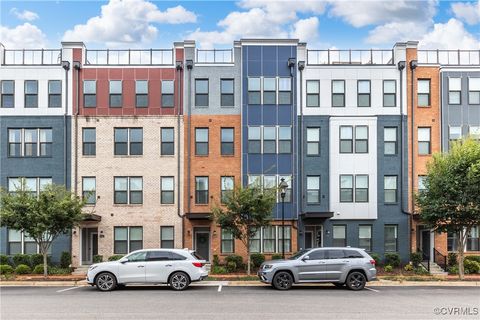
x=82, y=270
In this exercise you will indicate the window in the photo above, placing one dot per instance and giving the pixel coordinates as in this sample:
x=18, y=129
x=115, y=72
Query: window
x=254, y=180
x=474, y=133
x=339, y=236
x=269, y=91
x=269, y=239
x=167, y=142
x=423, y=141
x=201, y=92
x=54, y=93
x=313, y=141
x=454, y=134
x=338, y=93
x=284, y=91
x=14, y=142
x=451, y=241
x=473, y=241
x=115, y=93
x=8, y=93
x=421, y=183
x=423, y=94
x=284, y=139
x=45, y=142
x=361, y=188
x=390, y=238
x=269, y=140
x=36, y=142
x=390, y=189
x=365, y=237
x=346, y=139
x=313, y=93
x=167, y=190
x=361, y=139
x=127, y=239
x=227, y=242
x=31, y=140
x=89, y=93
x=287, y=241
x=227, y=185
x=227, y=146
x=389, y=93
x=89, y=141
x=288, y=193
x=33, y=185
x=269, y=182
x=31, y=94
x=89, y=190
x=20, y=243
x=313, y=189
x=255, y=242
x=201, y=141
x=167, y=239
x=201, y=190
x=454, y=90
x=226, y=92
x=128, y=141
x=473, y=90
x=254, y=91
x=128, y=190
x=363, y=93
x=390, y=140
x=168, y=92
x=254, y=140
x=346, y=188
x=141, y=93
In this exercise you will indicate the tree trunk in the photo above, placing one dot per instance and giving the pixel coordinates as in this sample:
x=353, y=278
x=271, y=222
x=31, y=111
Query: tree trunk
x=45, y=266
x=461, y=249
x=248, y=260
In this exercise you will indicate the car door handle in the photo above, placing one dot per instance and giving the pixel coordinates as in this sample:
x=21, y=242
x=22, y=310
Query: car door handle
x=140, y=266
x=346, y=261
x=322, y=262
x=168, y=265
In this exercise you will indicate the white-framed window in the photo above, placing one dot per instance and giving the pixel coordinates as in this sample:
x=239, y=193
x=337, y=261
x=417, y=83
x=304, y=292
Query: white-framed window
x=32, y=184
x=269, y=90
x=254, y=140
x=8, y=94
x=284, y=139
x=454, y=134
x=454, y=90
x=474, y=132
x=254, y=91
x=284, y=90
x=269, y=140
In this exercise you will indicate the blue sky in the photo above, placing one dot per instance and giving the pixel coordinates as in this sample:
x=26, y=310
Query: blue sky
x=323, y=24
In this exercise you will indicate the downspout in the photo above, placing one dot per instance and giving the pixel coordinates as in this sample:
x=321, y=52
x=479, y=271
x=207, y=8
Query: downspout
x=179, y=69
x=76, y=66
x=401, y=67
x=291, y=64
x=189, y=138
x=413, y=66
x=301, y=66
x=66, y=67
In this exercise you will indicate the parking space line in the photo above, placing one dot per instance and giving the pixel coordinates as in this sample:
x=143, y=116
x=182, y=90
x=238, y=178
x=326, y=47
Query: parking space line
x=374, y=290
x=63, y=290
x=219, y=288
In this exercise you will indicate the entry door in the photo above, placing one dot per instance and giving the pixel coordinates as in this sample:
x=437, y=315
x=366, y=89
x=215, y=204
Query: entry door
x=426, y=242
x=94, y=244
x=202, y=244
x=308, y=239
x=319, y=238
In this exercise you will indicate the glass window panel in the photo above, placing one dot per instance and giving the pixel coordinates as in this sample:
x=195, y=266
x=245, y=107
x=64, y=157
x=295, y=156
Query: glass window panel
x=141, y=87
x=474, y=84
x=284, y=84
x=121, y=135
x=423, y=134
x=269, y=182
x=136, y=135
x=339, y=232
x=361, y=182
x=31, y=86
x=346, y=133
x=120, y=234
x=201, y=86
x=313, y=183
x=121, y=184
x=31, y=135
x=89, y=86
x=227, y=183
x=313, y=134
x=227, y=134
x=390, y=182
x=14, y=184
x=475, y=132
x=389, y=86
x=88, y=184
x=254, y=180
x=136, y=233
x=15, y=135
x=168, y=87
x=421, y=182
x=269, y=84
x=361, y=132
x=313, y=100
x=390, y=134
x=423, y=86
x=31, y=184
x=201, y=183
x=455, y=133
x=136, y=184
x=454, y=97
x=201, y=135
x=8, y=86
x=254, y=84
x=115, y=86
x=46, y=135
x=346, y=182
x=365, y=232
x=473, y=97
x=313, y=86
x=284, y=133
x=363, y=86
x=269, y=133
x=44, y=182
x=55, y=86
x=338, y=86
x=226, y=86
x=167, y=183
x=454, y=84
x=14, y=235
x=167, y=233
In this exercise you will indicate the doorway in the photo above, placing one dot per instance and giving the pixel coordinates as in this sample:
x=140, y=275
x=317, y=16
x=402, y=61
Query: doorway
x=425, y=242
x=202, y=243
x=89, y=245
x=313, y=236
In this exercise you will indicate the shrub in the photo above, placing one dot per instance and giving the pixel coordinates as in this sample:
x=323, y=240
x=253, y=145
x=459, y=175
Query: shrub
x=23, y=269
x=96, y=258
x=6, y=269
x=66, y=259
x=473, y=258
x=388, y=268
x=392, y=259
x=216, y=260
x=19, y=259
x=471, y=267
x=3, y=259
x=376, y=257
x=276, y=256
x=231, y=266
x=219, y=270
x=420, y=271
x=37, y=258
x=452, y=259
x=408, y=267
x=416, y=258
x=452, y=269
x=115, y=257
x=238, y=260
x=257, y=259
x=57, y=270
x=38, y=269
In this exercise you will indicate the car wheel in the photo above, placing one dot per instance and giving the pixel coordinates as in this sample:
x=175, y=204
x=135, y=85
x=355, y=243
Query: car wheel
x=338, y=285
x=282, y=280
x=179, y=281
x=356, y=281
x=106, y=281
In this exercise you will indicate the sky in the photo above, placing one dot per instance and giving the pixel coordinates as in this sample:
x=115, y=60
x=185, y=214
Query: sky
x=216, y=24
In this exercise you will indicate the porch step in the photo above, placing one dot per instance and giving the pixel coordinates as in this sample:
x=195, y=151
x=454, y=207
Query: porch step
x=82, y=270
x=435, y=269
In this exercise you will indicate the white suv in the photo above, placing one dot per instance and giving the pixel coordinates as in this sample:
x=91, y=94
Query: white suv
x=177, y=267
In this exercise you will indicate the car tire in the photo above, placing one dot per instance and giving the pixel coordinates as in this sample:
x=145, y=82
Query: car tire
x=105, y=281
x=338, y=285
x=356, y=281
x=179, y=281
x=282, y=280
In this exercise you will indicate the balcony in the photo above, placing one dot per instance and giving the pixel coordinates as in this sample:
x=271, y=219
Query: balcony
x=350, y=57
x=30, y=57
x=449, y=57
x=148, y=57
x=214, y=56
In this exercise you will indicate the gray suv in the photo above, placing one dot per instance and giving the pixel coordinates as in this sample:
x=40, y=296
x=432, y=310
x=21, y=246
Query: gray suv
x=352, y=267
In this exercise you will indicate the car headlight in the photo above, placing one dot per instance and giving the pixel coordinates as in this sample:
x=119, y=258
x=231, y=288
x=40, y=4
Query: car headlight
x=267, y=266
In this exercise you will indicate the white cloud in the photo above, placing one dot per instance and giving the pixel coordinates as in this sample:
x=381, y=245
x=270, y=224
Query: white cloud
x=306, y=29
x=396, y=31
x=24, y=15
x=127, y=21
x=468, y=12
x=450, y=35
x=23, y=36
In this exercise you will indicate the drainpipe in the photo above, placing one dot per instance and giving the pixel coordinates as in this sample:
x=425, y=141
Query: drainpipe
x=291, y=64
x=301, y=66
x=413, y=66
x=77, y=66
x=66, y=67
x=179, y=69
x=189, y=138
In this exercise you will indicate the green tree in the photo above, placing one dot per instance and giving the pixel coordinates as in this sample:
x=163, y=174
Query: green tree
x=53, y=212
x=451, y=199
x=246, y=210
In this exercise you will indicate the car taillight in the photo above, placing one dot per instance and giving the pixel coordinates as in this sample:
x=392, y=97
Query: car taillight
x=372, y=262
x=198, y=264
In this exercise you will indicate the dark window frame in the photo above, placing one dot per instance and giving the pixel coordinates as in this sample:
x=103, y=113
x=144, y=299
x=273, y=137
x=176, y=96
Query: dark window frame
x=334, y=94
x=280, y=91
x=282, y=141
x=369, y=247
x=85, y=193
x=224, y=95
x=423, y=94
x=163, y=241
x=224, y=192
x=128, y=192
x=367, y=188
x=313, y=141
x=17, y=144
x=395, y=143
x=389, y=94
x=8, y=94
x=352, y=189
x=202, y=94
x=274, y=140
x=346, y=140
x=258, y=141
x=473, y=91
x=54, y=95
x=344, y=240
x=164, y=193
x=200, y=144
x=256, y=93
x=202, y=193
x=227, y=143
x=115, y=94
x=140, y=95
x=429, y=142
x=228, y=240
x=30, y=95
x=166, y=145
x=89, y=95
x=314, y=190
x=314, y=94
x=361, y=140
x=89, y=143
x=168, y=95
x=269, y=92
x=396, y=237
x=455, y=91
x=362, y=94
x=385, y=189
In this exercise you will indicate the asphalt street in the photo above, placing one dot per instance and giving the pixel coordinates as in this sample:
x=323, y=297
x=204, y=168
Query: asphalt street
x=228, y=302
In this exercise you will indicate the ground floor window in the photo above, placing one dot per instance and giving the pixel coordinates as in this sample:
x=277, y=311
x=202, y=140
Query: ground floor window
x=269, y=240
x=22, y=243
x=390, y=238
x=167, y=237
x=127, y=239
x=339, y=236
x=473, y=243
x=227, y=241
x=365, y=238
x=452, y=241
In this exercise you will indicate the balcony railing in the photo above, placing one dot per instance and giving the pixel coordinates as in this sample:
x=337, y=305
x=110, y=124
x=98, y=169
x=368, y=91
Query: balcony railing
x=449, y=57
x=32, y=56
x=353, y=57
x=157, y=57
x=214, y=56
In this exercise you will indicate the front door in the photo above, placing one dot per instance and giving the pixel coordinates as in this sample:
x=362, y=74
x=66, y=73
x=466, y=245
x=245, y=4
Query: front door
x=94, y=245
x=313, y=236
x=202, y=244
x=308, y=239
x=426, y=243
x=89, y=244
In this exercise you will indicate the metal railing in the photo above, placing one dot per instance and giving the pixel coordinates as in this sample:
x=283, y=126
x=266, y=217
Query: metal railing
x=440, y=259
x=214, y=56
x=353, y=57
x=449, y=57
x=425, y=260
x=32, y=56
x=130, y=57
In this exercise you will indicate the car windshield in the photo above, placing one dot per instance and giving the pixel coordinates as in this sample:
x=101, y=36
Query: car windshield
x=298, y=254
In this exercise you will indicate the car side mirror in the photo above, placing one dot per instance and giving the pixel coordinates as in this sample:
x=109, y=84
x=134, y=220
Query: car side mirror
x=123, y=260
x=305, y=258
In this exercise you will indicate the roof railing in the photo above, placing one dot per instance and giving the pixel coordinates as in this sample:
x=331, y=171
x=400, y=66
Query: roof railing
x=157, y=57
x=32, y=57
x=214, y=56
x=350, y=57
x=449, y=57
